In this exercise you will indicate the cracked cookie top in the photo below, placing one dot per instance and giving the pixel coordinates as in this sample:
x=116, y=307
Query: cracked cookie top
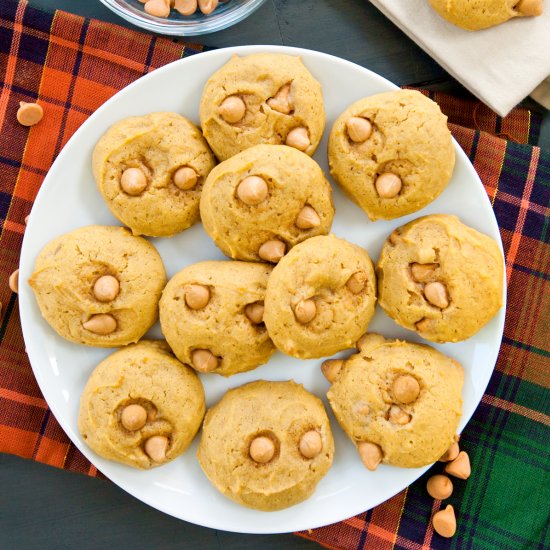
x=262, y=98
x=391, y=153
x=99, y=285
x=150, y=170
x=440, y=278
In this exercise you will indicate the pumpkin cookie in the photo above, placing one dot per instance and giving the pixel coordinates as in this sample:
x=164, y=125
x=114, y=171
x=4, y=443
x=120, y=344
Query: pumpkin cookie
x=141, y=406
x=211, y=314
x=150, y=170
x=391, y=153
x=440, y=278
x=99, y=285
x=474, y=15
x=260, y=203
x=266, y=444
x=400, y=403
x=320, y=297
x=262, y=98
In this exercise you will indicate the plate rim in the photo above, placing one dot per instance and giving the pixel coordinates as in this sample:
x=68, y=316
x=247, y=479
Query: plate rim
x=25, y=295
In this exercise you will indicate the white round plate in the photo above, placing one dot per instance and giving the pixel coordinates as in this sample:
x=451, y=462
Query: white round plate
x=69, y=199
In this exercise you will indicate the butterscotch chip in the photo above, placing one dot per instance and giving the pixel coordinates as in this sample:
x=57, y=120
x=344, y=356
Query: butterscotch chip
x=106, y=288
x=133, y=417
x=203, y=360
x=331, y=367
x=196, y=296
x=441, y=278
x=407, y=160
x=262, y=449
x=100, y=324
x=29, y=114
x=222, y=334
x=451, y=453
x=409, y=435
x=311, y=444
x=460, y=466
x=309, y=309
x=141, y=406
x=173, y=159
x=185, y=178
x=232, y=109
x=371, y=454
x=13, y=281
x=133, y=181
x=99, y=285
x=279, y=95
x=439, y=487
x=266, y=444
x=255, y=312
x=405, y=388
x=444, y=522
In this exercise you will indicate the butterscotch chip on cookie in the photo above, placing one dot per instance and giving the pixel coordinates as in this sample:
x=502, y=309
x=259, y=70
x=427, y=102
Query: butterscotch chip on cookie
x=440, y=278
x=391, y=153
x=150, y=170
x=399, y=402
x=266, y=444
x=211, y=314
x=258, y=204
x=320, y=297
x=99, y=285
x=262, y=98
x=474, y=15
x=141, y=406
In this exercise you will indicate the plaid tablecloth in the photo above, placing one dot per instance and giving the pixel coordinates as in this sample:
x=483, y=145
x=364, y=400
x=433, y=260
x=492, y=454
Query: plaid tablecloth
x=71, y=65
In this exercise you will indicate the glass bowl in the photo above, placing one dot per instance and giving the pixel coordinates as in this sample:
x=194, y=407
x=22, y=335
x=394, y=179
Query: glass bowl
x=226, y=14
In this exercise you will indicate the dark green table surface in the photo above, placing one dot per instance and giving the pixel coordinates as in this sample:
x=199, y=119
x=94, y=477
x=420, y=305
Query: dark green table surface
x=42, y=507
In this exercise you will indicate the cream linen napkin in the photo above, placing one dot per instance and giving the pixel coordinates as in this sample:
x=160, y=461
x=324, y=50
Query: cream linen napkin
x=501, y=65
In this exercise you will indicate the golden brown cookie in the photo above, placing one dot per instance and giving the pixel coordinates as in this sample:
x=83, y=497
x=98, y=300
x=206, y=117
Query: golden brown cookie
x=211, y=314
x=150, y=170
x=262, y=98
x=260, y=203
x=474, y=15
x=266, y=444
x=320, y=297
x=99, y=285
x=440, y=278
x=141, y=406
x=391, y=153
x=399, y=402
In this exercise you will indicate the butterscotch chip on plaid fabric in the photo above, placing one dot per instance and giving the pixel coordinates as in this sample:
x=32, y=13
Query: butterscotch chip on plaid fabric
x=320, y=297
x=266, y=445
x=366, y=400
x=211, y=314
x=391, y=153
x=262, y=98
x=29, y=114
x=150, y=171
x=141, y=406
x=99, y=285
x=474, y=15
x=440, y=278
x=258, y=204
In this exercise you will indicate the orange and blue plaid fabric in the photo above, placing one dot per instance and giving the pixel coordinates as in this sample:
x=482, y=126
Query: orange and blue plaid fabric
x=71, y=65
